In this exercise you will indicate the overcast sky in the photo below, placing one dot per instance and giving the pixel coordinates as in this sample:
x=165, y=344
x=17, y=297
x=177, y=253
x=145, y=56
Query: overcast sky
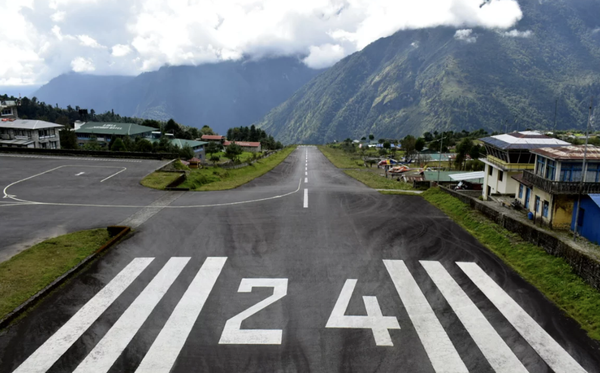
x=41, y=39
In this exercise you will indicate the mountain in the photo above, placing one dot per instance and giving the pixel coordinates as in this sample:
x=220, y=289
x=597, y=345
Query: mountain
x=222, y=95
x=439, y=79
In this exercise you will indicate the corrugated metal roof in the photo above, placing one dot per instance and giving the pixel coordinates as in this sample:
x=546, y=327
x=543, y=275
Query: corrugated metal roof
x=468, y=176
x=243, y=143
x=29, y=124
x=573, y=152
x=105, y=128
x=523, y=140
x=595, y=198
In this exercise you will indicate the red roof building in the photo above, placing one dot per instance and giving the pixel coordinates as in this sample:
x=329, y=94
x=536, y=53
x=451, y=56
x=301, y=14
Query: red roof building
x=212, y=138
x=246, y=145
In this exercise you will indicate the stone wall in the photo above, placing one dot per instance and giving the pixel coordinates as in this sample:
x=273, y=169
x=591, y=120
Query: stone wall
x=583, y=264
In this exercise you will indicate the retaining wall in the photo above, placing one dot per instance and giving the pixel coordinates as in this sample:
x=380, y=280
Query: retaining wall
x=582, y=263
x=88, y=153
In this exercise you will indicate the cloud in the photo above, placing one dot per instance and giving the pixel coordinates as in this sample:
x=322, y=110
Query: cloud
x=517, y=34
x=81, y=65
x=120, y=50
x=147, y=34
x=465, y=35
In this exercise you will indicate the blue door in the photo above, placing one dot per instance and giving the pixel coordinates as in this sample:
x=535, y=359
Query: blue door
x=527, y=198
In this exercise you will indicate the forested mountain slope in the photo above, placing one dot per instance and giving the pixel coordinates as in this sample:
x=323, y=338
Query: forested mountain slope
x=442, y=78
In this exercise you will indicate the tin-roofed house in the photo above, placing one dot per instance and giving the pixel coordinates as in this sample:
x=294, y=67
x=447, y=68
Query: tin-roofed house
x=550, y=190
x=104, y=132
x=589, y=218
x=508, y=155
x=26, y=133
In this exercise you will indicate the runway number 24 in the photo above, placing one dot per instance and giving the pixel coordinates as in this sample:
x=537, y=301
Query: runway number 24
x=374, y=320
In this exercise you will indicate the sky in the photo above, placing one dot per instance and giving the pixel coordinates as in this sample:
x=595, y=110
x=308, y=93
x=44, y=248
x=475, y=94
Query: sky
x=41, y=39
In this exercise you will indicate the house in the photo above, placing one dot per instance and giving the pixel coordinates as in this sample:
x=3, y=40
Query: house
x=589, y=218
x=247, y=146
x=508, y=155
x=197, y=146
x=25, y=133
x=215, y=138
x=550, y=190
x=104, y=132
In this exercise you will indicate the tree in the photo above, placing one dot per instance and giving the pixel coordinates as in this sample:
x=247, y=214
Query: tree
x=68, y=139
x=420, y=144
x=117, y=145
x=387, y=145
x=371, y=137
x=428, y=136
x=462, y=150
x=186, y=152
x=212, y=148
x=363, y=138
x=381, y=141
x=214, y=159
x=206, y=130
x=92, y=144
x=143, y=146
x=172, y=127
x=233, y=151
x=408, y=145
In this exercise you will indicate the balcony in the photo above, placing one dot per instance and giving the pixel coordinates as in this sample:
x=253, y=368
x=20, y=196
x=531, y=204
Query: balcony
x=560, y=187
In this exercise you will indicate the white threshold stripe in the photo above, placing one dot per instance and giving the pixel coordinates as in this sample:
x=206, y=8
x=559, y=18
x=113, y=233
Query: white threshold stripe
x=437, y=344
x=305, y=198
x=493, y=347
x=110, y=347
x=48, y=353
x=164, y=351
x=553, y=354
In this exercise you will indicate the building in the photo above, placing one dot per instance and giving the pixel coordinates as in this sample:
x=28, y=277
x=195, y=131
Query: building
x=217, y=138
x=26, y=133
x=104, y=132
x=508, y=155
x=589, y=218
x=550, y=190
x=197, y=146
x=247, y=146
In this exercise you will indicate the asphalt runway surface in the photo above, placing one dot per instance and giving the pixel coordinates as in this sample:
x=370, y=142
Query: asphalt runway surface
x=301, y=270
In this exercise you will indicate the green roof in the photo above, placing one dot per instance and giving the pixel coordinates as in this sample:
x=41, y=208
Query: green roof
x=105, y=128
x=445, y=176
x=182, y=142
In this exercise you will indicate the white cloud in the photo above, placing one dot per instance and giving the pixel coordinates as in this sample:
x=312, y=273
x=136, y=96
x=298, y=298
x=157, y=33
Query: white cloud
x=88, y=41
x=465, y=35
x=58, y=16
x=152, y=33
x=517, y=34
x=324, y=56
x=81, y=65
x=120, y=50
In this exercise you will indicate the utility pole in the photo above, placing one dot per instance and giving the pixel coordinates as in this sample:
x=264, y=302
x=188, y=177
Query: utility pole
x=440, y=159
x=583, y=169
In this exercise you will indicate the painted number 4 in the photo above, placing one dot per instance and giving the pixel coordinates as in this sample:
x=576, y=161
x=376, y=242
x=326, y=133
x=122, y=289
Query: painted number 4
x=374, y=320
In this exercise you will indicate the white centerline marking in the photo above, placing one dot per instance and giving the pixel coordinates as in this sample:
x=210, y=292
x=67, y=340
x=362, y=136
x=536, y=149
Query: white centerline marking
x=305, y=198
x=110, y=347
x=493, y=347
x=305, y=173
x=115, y=174
x=305, y=180
x=164, y=351
x=48, y=353
x=553, y=354
x=79, y=174
x=437, y=344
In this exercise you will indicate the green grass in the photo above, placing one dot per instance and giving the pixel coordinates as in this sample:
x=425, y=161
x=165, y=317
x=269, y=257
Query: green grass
x=244, y=157
x=339, y=158
x=159, y=179
x=216, y=178
x=376, y=181
x=551, y=275
x=35, y=268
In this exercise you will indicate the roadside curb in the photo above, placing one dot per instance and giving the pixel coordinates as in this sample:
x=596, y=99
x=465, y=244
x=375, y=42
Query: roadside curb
x=116, y=232
x=400, y=191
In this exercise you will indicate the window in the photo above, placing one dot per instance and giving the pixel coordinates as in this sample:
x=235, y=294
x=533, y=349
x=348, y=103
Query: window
x=570, y=172
x=593, y=173
x=6, y=111
x=539, y=168
x=520, y=191
x=550, y=170
x=490, y=170
x=537, y=203
x=545, y=209
x=500, y=175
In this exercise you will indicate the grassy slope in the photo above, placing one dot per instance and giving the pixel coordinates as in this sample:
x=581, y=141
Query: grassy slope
x=353, y=167
x=30, y=271
x=215, y=178
x=159, y=180
x=551, y=275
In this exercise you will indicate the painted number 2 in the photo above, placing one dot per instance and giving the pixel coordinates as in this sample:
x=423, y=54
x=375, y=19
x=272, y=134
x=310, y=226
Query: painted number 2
x=232, y=334
x=374, y=320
